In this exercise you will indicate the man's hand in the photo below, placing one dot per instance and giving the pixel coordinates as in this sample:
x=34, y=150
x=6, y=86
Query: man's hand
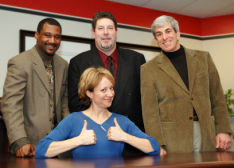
x=223, y=141
x=26, y=151
x=163, y=152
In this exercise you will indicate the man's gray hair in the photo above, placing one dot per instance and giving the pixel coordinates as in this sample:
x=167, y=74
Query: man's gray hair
x=162, y=21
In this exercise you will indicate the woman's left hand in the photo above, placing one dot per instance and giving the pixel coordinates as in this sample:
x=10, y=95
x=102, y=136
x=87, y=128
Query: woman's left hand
x=115, y=133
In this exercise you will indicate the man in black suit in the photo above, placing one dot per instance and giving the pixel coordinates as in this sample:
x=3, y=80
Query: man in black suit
x=125, y=65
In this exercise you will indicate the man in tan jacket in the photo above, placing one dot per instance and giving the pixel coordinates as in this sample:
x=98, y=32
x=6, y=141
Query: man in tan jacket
x=182, y=98
x=35, y=91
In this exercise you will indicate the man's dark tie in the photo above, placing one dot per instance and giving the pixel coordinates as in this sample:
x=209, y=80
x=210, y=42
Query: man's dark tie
x=110, y=65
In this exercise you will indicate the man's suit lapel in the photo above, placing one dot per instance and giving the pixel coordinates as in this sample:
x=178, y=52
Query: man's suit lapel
x=39, y=68
x=122, y=77
x=58, y=71
x=166, y=65
x=192, y=64
x=96, y=59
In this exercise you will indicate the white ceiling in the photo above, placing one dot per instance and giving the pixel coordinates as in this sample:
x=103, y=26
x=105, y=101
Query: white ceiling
x=195, y=8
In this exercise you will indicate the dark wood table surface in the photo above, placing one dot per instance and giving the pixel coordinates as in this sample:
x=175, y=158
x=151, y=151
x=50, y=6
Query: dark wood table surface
x=209, y=159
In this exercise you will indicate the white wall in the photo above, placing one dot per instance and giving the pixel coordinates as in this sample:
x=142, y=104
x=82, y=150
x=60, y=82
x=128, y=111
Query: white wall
x=222, y=50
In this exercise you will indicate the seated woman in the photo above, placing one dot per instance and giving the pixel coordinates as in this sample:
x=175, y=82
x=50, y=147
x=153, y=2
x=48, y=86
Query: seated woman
x=95, y=132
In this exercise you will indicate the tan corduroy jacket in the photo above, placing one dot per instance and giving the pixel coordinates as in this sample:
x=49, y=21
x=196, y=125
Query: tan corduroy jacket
x=168, y=105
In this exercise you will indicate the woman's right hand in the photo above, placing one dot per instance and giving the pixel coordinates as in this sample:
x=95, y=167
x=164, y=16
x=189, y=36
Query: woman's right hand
x=87, y=137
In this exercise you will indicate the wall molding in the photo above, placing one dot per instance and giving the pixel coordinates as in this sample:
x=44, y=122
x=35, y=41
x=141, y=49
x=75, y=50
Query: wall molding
x=29, y=33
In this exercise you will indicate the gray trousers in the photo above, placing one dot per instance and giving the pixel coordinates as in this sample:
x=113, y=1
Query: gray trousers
x=196, y=137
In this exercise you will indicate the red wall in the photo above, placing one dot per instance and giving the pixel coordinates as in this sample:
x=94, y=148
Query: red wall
x=130, y=15
x=218, y=25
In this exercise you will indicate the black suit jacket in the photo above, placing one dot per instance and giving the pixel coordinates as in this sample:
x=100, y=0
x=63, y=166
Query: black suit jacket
x=127, y=100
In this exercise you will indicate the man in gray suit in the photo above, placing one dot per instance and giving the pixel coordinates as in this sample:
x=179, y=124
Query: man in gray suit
x=35, y=90
x=182, y=98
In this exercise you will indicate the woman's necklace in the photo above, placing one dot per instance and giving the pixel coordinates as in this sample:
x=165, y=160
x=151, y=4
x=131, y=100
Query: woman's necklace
x=103, y=128
x=91, y=111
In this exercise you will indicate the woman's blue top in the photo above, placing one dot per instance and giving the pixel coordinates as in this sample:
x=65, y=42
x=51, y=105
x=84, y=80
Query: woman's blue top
x=72, y=125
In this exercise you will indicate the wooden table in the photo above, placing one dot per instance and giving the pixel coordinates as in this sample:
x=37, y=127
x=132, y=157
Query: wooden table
x=191, y=160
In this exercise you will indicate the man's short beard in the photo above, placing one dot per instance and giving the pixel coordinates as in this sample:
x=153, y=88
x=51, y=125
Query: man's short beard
x=106, y=47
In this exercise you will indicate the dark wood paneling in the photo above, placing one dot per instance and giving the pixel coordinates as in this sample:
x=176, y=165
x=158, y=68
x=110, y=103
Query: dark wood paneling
x=4, y=145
